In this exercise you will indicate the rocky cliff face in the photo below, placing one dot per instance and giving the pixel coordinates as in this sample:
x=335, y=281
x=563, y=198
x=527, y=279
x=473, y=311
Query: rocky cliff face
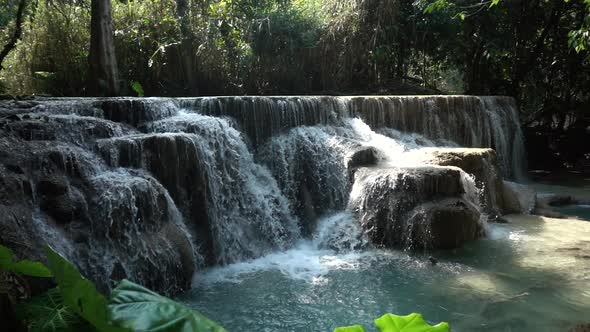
x=153, y=189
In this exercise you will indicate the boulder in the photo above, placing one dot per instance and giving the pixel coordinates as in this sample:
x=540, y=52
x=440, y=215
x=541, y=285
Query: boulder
x=417, y=207
x=364, y=156
x=518, y=198
x=482, y=164
x=445, y=224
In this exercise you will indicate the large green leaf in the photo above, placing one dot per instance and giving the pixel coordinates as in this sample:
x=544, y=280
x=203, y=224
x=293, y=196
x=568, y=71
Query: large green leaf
x=80, y=294
x=137, y=308
x=48, y=313
x=30, y=268
x=410, y=323
x=25, y=267
x=354, y=328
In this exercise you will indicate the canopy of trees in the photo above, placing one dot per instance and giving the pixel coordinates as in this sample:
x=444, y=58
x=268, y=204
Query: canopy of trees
x=534, y=50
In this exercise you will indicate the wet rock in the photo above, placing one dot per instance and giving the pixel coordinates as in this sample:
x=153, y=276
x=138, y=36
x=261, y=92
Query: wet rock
x=365, y=156
x=432, y=260
x=445, y=224
x=518, y=198
x=53, y=186
x=66, y=207
x=173, y=160
x=482, y=164
x=419, y=207
x=137, y=111
x=50, y=194
x=74, y=129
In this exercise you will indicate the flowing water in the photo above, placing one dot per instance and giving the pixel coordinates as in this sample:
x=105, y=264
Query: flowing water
x=255, y=193
x=530, y=275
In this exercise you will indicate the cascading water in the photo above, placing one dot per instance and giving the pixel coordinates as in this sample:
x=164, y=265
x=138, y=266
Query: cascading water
x=287, y=208
x=247, y=214
x=239, y=177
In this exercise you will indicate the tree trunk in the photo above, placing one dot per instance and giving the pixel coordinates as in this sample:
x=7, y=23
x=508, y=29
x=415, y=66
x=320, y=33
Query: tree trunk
x=103, y=79
x=186, y=47
x=18, y=30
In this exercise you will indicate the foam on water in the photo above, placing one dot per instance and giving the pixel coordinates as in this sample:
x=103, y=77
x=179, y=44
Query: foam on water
x=330, y=249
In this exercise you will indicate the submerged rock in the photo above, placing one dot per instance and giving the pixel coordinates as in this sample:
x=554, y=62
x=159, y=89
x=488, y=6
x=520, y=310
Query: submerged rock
x=421, y=207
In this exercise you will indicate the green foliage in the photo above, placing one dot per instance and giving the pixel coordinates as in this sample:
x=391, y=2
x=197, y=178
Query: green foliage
x=394, y=323
x=55, y=40
x=436, y=5
x=138, y=88
x=48, y=313
x=410, y=323
x=536, y=51
x=140, y=309
x=79, y=294
x=579, y=39
x=76, y=305
x=23, y=267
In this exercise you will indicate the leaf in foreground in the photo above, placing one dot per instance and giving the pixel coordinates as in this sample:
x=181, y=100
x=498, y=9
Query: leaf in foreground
x=138, y=308
x=25, y=267
x=79, y=294
x=30, y=268
x=410, y=323
x=48, y=313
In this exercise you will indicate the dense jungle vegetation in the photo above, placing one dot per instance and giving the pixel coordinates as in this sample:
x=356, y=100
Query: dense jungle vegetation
x=534, y=50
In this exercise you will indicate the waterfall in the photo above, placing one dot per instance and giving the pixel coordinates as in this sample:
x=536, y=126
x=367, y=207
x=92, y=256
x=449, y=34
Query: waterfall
x=162, y=184
x=467, y=121
x=247, y=215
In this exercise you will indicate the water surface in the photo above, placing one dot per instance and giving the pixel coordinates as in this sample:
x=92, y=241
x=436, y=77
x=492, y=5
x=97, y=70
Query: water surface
x=530, y=275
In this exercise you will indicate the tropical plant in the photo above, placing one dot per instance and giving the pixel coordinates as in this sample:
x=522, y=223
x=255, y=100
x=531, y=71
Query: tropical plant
x=24, y=267
x=392, y=323
x=76, y=305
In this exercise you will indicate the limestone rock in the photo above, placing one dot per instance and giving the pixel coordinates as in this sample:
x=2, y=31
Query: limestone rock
x=482, y=164
x=420, y=207
x=445, y=224
x=52, y=193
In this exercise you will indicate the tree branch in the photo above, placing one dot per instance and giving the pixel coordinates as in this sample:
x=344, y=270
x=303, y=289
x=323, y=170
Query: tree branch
x=18, y=30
